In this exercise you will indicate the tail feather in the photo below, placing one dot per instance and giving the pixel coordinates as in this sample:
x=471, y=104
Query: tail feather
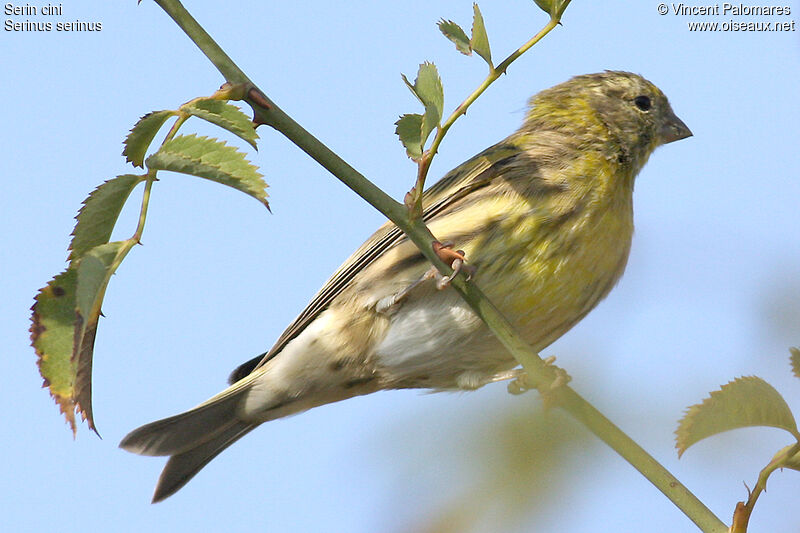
x=183, y=432
x=183, y=466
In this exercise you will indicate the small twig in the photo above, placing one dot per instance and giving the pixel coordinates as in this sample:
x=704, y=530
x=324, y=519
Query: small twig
x=743, y=510
x=424, y=163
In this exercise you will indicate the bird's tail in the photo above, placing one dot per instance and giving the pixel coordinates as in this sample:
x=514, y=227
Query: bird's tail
x=191, y=439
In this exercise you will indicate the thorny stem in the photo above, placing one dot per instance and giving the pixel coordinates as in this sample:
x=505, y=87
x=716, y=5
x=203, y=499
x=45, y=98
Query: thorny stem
x=540, y=375
x=148, y=186
x=151, y=178
x=741, y=515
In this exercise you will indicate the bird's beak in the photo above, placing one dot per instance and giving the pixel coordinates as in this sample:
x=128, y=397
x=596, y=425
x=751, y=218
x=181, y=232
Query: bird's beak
x=673, y=129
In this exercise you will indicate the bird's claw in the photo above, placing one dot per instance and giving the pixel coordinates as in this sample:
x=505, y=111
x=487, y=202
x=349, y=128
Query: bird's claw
x=445, y=252
x=521, y=381
x=455, y=258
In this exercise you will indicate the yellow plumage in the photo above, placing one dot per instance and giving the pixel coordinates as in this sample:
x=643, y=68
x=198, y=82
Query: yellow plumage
x=546, y=217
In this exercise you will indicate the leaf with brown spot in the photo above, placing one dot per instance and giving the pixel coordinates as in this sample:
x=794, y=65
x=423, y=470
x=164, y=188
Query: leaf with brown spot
x=64, y=327
x=52, y=336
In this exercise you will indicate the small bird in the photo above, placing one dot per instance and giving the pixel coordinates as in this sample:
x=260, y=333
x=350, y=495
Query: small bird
x=544, y=218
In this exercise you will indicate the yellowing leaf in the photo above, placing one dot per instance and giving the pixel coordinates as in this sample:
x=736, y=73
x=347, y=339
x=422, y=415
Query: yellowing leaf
x=52, y=335
x=744, y=402
x=63, y=329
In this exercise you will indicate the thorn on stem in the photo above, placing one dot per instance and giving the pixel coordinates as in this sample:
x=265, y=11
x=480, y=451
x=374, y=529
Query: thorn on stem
x=258, y=98
x=408, y=199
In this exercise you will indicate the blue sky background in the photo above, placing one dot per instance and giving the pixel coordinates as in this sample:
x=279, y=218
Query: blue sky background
x=711, y=291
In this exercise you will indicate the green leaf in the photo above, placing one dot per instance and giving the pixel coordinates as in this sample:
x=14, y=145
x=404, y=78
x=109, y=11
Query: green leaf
x=429, y=88
x=744, y=402
x=453, y=31
x=138, y=140
x=554, y=8
x=795, y=360
x=414, y=129
x=410, y=86
x=792, y=462
x=52, y=335
x=94, y=272
x=430, y=119
x=409, y=129
x=480, y=41
x=99, y=213
x=63, y=329
x=225, y=116
x=210, y=159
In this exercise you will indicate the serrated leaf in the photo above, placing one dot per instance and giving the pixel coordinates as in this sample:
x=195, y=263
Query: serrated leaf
x=225, y=116
x=457, y=36
x=430, y=120
x=429, y=88
x=795, y=360
x=52, y=336
x=94, y=272
x=480, y=40
x=99, y=213
x=554, y=8
x=410, y=86
x=744, y=402
x=409, y=129
x=138, y=140
x=210, y=159
x=63, y=330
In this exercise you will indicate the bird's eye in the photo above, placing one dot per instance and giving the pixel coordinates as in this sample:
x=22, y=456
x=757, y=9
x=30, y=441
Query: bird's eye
x=642, y=102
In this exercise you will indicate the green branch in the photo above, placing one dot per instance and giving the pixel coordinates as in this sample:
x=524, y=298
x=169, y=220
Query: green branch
x=541, y=375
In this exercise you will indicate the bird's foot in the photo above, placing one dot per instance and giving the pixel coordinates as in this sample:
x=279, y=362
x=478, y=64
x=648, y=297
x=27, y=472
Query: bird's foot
x=521, y=381
x=455, y=258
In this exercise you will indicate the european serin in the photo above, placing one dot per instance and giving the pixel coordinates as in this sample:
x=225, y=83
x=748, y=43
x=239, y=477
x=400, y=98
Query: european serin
x=545, y=216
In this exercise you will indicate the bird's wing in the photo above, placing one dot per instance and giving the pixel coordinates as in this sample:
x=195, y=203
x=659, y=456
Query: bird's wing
x=464, y=179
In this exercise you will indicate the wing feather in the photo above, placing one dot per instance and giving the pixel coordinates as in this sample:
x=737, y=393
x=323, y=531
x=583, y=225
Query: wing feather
x=468, y=177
